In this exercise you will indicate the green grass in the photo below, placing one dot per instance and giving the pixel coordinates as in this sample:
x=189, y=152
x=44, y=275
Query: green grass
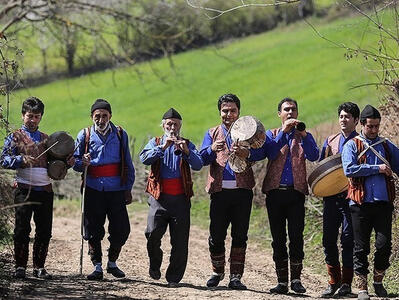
x=260, y=69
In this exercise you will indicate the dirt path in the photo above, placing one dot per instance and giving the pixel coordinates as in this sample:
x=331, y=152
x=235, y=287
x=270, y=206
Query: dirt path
x=63, y=263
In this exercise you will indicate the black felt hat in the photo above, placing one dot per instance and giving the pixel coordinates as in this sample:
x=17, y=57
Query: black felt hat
x=369, y=112
x=101, y=104
x=171, y=114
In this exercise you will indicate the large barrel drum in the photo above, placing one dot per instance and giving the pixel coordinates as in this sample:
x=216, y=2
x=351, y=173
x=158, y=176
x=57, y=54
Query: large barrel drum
x=328, y=178
x=249, y=130
x=64, y=147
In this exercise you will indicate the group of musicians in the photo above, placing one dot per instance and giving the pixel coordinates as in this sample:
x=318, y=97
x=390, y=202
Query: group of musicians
x=102, y=155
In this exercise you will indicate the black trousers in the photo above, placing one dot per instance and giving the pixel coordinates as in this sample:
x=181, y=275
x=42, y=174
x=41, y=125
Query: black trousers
x=365, y=218
x=229, y=207
x=286, y=206
x=175, y=212
x=336, y=214
x=42, y=212
x=98, y=206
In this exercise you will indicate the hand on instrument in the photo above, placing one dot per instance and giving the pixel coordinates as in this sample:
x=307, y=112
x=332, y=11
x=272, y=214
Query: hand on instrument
x=168, y=141
x=384, y=169
x=289, y=124
x=240, y=151
x=182, y=145
x=70, y=161
x=128, y=197
x=218, y=146
x=86, y=159
x=28, y=160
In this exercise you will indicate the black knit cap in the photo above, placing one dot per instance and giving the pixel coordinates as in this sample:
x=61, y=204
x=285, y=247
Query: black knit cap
x=369, y=112
x=171, y=114
x=101, y=104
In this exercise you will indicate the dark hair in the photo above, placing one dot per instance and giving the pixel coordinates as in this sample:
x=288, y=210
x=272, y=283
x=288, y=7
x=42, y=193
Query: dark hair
x=349, y=107
x=287, y=99
x=33, y=104
x=228, y=98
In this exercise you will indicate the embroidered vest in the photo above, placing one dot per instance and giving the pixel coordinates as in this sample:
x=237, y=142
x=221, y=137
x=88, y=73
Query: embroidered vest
x=244, y=180
x=26, y=146
x=275, y=167
x=332, y=145
x=356, y=184
x=154, y=187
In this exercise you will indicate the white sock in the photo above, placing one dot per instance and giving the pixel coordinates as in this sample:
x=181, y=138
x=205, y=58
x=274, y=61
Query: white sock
x=111, y=264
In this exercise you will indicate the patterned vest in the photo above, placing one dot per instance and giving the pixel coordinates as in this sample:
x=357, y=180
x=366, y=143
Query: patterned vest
x=356, y=184
x=26, y=146
x=154, y=187
x=275, y=167
x=332, y=145
x=244, y=180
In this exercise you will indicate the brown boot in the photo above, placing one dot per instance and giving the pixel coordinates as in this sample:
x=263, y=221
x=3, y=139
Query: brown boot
x=361, y=283
x=378, y=286
x=218, y=263
x=237, y=262
x=95, y=251
x=21, y=254
x=282, y=277
x=334, y=282
x=39, y=254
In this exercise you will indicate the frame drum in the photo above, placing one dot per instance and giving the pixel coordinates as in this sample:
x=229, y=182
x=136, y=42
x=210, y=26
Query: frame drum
x=63, y=148
x=328, y=178
x=57, y=169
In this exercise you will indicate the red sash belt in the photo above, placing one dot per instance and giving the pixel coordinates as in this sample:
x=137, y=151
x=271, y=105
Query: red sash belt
x=172, y=186
x=104, y=170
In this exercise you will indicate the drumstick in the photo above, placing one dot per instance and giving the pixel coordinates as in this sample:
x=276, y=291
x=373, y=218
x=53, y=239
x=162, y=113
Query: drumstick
x=47, y=149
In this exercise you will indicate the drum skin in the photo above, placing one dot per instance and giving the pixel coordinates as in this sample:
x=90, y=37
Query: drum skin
x=63, y=148
x=328, y=178
x=250, y=130
x=57, y=169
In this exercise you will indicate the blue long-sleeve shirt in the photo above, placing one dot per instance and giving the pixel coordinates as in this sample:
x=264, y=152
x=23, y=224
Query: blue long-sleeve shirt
x=10, y=158
x=105, y=150
x=269, y=149
x=374, y=183
x=170, y=163
x=342, y=141
x=310, y=148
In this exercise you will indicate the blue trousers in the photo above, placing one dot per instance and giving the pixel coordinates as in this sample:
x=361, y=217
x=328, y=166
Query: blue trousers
x=336, y=214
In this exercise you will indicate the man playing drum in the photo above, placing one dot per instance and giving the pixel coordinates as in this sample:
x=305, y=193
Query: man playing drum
x=20, y=152
x=336, y=211
x=231, y=193
x=103, y=150
x=368, y=161
x=170, y=187
x=285, y=187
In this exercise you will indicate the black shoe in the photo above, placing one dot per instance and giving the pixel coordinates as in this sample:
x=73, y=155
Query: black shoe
x=96, y=275
x=280, y=289
x=154, y=274
x=20, y=272
x=380, y=291
x=236, y=284
x=297, y=287
x=42, y=273
x=116, y=272
x=330, y=290
x=344, y=290
x=214, y=280
x=173, y=284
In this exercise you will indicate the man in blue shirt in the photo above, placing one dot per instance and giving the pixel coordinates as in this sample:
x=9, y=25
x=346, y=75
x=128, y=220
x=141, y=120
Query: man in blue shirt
x=171, y=158
x=21, y=153
x=336, y=211
x=369, y=160
x=285, y=186
x=103, y=150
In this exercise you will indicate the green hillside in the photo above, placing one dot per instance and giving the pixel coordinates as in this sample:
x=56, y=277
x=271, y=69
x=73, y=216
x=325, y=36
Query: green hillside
x=291, y=61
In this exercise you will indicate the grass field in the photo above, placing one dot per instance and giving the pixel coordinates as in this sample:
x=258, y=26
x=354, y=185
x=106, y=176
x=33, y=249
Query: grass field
x=262, y=69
